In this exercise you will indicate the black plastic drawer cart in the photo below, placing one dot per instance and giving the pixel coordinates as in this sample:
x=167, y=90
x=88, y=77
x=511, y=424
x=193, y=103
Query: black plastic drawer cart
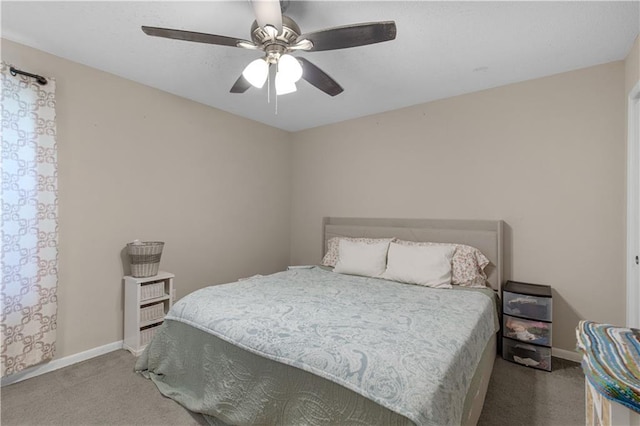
x=527, y=324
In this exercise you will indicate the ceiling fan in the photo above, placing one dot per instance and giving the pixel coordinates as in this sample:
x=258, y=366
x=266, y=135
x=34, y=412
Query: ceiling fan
x=278, y=35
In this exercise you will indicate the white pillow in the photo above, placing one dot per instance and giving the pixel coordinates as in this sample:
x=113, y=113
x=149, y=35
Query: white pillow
x=359, y=258
x=423, y=265
x=331, y=256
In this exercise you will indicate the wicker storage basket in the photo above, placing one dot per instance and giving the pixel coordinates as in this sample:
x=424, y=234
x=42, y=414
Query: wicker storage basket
x=145, y=258
x=152, y=312
x=151, y=290
x=147, y=334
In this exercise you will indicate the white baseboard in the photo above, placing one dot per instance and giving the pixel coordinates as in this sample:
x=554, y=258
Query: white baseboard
x=60, y=363
x=565, y=354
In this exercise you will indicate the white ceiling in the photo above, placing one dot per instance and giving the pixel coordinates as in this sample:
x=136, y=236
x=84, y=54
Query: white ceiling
x=442, y=49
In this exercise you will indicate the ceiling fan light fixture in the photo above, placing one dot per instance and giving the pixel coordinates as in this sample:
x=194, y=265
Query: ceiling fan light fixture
x=284, y=86
x=290, y=68
x=276, y=35
x=256, y=72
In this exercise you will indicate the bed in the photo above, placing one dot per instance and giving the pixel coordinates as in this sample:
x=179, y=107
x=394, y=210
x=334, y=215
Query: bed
x=311, y=346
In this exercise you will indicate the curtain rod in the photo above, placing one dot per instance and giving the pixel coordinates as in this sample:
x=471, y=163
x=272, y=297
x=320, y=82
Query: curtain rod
x=40, y=79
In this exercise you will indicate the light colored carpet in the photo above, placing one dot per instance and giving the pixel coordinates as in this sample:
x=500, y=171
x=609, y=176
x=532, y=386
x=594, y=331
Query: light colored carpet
x=106, y=391
x=103, y=390
x=520, y=395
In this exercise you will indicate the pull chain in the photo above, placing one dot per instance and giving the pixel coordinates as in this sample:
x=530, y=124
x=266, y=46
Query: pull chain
x=269, y=85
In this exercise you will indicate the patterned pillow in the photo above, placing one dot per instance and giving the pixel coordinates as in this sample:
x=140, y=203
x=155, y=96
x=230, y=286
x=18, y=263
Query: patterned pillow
x=331, y=257
x=467, y=265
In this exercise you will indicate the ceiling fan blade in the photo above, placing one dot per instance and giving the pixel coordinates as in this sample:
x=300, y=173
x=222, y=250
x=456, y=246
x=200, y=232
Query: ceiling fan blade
x=241, y=85
x=319, y=78
x=268, y=13
x=193, y=36
x=350, y=36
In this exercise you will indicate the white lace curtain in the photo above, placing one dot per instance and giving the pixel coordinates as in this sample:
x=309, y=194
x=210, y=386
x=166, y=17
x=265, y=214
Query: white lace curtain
x=29, y=222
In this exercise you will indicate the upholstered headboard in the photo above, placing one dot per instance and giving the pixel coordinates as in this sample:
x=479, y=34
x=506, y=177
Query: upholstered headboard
x=485, y=235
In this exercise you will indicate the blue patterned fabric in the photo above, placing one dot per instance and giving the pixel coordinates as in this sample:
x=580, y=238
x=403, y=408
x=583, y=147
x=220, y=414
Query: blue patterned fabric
x=611, y=361
x=409, y=348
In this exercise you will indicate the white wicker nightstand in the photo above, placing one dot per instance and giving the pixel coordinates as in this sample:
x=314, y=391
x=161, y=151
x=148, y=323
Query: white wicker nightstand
x=146, y=301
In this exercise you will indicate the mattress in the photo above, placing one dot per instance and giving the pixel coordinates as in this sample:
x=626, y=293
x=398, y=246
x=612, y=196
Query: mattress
x=315, y=347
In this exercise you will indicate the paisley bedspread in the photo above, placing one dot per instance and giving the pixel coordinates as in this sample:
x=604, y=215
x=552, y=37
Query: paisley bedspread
x=409, y=348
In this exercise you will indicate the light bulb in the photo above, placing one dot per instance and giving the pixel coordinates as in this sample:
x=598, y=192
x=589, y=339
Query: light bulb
x=290, y=68
x=256, y=72
x=284, y=85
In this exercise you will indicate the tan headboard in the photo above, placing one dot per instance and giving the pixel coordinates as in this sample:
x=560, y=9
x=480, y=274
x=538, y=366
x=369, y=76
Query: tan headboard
x=485, y=235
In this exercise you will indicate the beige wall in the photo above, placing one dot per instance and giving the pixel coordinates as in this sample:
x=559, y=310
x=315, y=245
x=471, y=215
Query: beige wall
x=632, y=66
x=547, y=156
x=135, y=162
